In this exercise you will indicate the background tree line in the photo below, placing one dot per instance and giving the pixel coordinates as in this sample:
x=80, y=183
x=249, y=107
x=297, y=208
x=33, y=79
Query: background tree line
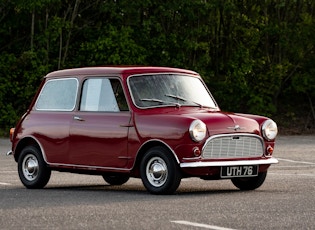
x=255, y=56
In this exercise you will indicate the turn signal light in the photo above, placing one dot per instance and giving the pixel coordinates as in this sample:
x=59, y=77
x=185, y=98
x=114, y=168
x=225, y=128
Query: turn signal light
x=196, y=152
x=11, y=133
x=269, y=150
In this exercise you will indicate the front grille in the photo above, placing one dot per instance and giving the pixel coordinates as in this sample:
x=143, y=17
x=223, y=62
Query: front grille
x=233, y=146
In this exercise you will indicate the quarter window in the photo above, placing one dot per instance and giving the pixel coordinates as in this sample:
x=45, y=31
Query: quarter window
x=58, y=95
x=103, y=95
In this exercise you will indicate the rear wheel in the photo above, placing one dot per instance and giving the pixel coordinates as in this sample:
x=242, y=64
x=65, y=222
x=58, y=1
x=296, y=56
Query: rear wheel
x=250, y=183
x=159, y=171
x=116, y=179
x=32, y=169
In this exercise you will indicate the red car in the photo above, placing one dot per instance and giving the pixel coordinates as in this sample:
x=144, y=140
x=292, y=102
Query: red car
x=154, y=123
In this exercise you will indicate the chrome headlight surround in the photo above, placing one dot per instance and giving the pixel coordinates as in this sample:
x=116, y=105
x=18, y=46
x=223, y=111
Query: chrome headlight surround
x=197, y=130
x=269, y=130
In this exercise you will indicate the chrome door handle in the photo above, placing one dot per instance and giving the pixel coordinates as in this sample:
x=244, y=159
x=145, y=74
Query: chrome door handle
x=77, y=118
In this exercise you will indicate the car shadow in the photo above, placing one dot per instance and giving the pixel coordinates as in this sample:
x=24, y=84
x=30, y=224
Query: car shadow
x=140, y=190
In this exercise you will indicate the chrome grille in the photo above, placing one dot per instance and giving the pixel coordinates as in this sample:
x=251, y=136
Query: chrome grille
x=233, y=146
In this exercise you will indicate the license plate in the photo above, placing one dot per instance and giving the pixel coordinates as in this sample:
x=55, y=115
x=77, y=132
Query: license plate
x=239, y=171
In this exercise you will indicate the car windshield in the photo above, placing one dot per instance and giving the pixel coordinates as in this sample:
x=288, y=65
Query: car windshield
x=169, y=90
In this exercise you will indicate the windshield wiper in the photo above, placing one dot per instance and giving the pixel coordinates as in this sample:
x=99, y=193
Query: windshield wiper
x=161, y=102
x=176, y=97
x=183, y=99
x=153, y=100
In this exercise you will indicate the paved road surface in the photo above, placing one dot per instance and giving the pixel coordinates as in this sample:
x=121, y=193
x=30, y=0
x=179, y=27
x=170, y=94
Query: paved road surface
x=285, y=201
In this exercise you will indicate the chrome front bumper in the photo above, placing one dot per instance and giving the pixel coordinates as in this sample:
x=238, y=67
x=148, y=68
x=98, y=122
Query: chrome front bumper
x=267, y=161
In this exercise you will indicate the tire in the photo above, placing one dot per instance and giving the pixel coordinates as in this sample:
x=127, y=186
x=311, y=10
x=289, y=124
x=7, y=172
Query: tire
x=250, y=183
x=116, y=179
x=32, y=169
x=159, y=171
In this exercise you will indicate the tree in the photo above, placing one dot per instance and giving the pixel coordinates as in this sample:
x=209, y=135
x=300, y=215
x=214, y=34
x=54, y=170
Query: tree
x=255, y=56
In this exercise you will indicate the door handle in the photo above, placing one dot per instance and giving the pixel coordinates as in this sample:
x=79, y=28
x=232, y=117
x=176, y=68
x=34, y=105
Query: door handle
x=77, y=118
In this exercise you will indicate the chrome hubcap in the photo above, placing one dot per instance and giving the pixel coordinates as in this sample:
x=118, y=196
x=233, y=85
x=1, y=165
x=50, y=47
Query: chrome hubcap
x=30, y=167
x=156, y=171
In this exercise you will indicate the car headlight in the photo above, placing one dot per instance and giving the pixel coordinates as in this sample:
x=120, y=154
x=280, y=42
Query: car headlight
x=197, y=130
x=269, y=130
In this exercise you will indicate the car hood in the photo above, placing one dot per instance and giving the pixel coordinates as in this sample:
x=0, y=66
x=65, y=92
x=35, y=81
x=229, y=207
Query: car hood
x=221, y=122
x=172, y=123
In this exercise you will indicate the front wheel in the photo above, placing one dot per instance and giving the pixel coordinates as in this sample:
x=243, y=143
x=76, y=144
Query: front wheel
x=250, y=183
x=32, y=169
x=159, y=171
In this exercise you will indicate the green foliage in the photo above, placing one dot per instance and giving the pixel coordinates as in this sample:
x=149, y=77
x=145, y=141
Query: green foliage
x=255, y=56
x=18, y=83
x=115, y=47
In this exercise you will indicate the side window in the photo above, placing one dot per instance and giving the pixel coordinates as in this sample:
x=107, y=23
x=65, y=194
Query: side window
x=58, y=95
x=104, y=95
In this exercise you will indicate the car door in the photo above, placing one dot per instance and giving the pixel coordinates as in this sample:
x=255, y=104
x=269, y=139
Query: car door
x=99, y=130
x=51, y=117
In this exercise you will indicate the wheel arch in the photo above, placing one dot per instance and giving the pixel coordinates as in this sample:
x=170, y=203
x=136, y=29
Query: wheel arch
x=150, y=144
x=27, y=141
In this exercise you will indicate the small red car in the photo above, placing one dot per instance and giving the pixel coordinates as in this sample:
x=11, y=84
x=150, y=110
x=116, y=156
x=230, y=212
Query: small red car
x=155, y=123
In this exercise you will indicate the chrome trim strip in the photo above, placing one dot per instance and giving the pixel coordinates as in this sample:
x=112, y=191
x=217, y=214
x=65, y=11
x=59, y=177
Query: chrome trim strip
x=267, y=161
x=88, y=167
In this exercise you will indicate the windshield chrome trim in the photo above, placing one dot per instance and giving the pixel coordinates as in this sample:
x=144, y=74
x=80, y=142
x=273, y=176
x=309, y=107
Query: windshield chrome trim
x=169, y=105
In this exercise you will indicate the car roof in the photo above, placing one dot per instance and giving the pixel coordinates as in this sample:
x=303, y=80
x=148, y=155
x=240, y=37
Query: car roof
x=117, y=70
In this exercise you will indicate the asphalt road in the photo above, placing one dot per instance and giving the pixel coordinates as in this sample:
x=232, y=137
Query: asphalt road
x=285, y=201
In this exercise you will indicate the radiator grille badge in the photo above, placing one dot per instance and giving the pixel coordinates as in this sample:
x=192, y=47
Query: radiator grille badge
x=236, y=127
